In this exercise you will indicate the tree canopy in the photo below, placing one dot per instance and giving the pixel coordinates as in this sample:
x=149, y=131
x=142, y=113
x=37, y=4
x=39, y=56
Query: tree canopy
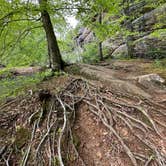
x=23, y=38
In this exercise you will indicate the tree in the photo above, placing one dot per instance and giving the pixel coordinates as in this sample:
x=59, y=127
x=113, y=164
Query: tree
x=98, y=19
x=19, y=19
x=53, y=48
x=100, y=42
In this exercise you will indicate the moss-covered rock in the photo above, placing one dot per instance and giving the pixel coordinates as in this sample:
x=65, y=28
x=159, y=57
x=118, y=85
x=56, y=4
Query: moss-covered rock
x=152, y=20
x=121, y=51
x=151, y=46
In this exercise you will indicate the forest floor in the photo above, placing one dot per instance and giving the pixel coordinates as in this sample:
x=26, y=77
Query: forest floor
x=100, y=116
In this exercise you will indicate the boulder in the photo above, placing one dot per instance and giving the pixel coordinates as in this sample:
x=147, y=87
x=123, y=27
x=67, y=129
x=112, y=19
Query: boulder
x=120, y=51
x=151, y=46
x=150, y=80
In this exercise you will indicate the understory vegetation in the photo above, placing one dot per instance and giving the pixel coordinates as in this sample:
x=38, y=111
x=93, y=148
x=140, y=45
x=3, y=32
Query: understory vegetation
x=82, y=82
x=12, y=86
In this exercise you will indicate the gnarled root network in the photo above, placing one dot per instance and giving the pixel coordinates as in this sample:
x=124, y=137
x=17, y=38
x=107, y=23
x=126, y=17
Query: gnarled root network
x=51, y=123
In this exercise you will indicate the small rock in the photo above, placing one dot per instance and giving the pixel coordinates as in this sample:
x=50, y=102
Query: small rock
x=105, y=133
x=99, y=155
x=151, y=77
x=98, y=144
x=149, y=80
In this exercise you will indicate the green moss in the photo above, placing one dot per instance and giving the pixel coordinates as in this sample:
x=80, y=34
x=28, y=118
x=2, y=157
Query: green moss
x=160, y=63
x=76, y=141
x=158, y=33
x=22, y=136
x=14, y=86
x=73, y=69
x=158, y=67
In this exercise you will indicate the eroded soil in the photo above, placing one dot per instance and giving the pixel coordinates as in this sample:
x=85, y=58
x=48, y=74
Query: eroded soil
x=95, y=143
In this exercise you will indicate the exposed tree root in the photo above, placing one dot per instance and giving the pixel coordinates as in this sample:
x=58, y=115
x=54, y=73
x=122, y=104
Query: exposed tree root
x=51, y=123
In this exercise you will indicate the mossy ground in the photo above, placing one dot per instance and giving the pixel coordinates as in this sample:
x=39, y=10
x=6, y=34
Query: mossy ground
x=12, y=86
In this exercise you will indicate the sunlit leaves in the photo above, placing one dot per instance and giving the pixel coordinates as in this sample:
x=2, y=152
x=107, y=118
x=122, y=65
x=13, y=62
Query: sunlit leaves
x=111, y=14
x=23, y=41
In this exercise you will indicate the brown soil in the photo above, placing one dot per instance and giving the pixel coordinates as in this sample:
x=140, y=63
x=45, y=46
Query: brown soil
x=96, y=145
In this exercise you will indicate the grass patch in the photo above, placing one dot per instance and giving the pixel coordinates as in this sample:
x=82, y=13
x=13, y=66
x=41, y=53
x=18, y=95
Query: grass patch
x=158, y=67
x=5, y=73
x=73, y=69
x=14, y=86
x=160, y=64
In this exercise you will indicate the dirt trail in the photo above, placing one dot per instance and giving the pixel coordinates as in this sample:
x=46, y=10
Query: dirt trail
x=106, y=119
x=98, y=147
x=121, y=77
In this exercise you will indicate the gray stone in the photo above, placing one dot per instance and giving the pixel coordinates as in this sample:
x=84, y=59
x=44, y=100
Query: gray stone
x=148, y=21
x=150, y=47
x=85, y=36
x=120, y=51
x=113, y=44
x=149, y=80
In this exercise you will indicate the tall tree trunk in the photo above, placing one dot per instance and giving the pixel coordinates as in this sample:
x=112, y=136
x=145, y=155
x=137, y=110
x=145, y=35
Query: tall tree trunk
x=100, y=51
x=53, y=48
x=100, y=48
x=130, y=47
x=49, y=56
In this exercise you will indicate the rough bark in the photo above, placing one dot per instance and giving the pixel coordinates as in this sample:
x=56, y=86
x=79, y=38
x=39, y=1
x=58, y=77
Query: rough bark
x=100, y=43
x=100, y=51
x=53, y=48
x=130, y=48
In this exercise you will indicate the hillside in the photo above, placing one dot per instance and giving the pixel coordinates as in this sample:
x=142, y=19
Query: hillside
x=93, y=94
x=105, y=117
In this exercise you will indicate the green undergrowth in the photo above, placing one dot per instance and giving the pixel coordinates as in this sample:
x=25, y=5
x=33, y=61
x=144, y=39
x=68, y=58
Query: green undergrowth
x=159, y=66
x=5, y=73
x=12, y=86
x=73, y=69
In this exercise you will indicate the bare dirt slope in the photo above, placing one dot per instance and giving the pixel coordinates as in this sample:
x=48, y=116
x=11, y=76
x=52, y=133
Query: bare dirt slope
x=98, y=146
x=107, y=118
x=122, y=76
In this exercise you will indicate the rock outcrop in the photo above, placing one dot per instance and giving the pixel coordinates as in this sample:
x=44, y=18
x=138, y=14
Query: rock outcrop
x=149, y=23
x=152, y=20
x=151, y=41
x=113, y=43
x=151, y=46
x=120, y=51
x=84, y=36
